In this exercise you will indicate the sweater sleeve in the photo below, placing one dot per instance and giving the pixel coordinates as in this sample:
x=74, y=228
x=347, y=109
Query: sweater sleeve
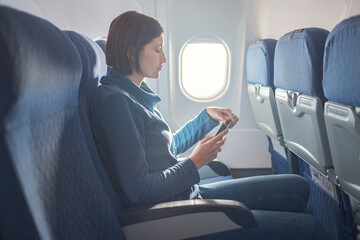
x=126, y=164
x=192, y=132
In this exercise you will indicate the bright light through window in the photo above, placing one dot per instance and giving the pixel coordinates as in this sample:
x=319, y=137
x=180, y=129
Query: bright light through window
x=204, y=69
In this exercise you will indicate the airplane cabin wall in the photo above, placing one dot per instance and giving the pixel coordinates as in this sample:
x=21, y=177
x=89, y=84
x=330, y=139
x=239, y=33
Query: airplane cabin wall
x=23, y=5
x=246, y=146
x=89, y=17
x=279, y=17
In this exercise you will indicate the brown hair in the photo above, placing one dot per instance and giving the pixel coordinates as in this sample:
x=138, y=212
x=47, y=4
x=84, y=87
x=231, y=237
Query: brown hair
x=128, y=34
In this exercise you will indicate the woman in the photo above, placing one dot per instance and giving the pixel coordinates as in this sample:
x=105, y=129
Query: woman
x=139, y=151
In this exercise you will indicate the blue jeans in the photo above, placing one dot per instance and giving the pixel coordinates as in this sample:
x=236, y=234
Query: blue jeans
x=278, y=203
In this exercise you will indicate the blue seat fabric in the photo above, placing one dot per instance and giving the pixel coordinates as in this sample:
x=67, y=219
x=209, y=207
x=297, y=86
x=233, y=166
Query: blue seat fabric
x=333, y=213
x=102, y=43
x=49, y=185
x=302, y=52
x=342, y=87
x=260, y=62
x=298, y=67
x=279, y=160
x=94, y=68
x=297, y=74
x=260, y=70
x=341, y=82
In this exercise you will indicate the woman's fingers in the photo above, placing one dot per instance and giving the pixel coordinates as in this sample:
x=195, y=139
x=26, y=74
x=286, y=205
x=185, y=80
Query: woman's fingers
x=220, y=136
x=223, y=115
x=207, y=138
x=208, y=149
x=235, y=119
x=232, y=116
x=215, y=148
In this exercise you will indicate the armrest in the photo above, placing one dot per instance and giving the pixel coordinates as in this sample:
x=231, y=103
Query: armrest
x=234, y=210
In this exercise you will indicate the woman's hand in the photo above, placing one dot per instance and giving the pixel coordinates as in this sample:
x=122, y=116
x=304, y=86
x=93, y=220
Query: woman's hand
x=208, y=149
x=222, y=115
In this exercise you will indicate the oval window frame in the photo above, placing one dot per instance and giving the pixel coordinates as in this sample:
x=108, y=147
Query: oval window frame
x=206, y=40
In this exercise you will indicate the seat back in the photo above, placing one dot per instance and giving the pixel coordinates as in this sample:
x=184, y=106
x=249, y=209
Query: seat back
x=299, y=94
x=259, y=74
x=50, y=188
x=342, y=111
x=94, y=67
x=101, y=41
x=261, y=91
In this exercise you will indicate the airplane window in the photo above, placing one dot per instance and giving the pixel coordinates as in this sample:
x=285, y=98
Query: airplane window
x=204, y=69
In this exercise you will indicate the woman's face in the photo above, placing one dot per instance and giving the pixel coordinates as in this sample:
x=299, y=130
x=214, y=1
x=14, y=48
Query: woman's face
x=151, y=58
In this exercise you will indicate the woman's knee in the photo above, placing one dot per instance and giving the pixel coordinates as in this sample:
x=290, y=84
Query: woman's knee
x=300, y=185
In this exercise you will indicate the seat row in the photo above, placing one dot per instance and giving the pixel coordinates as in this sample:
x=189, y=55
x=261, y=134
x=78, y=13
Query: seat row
x=304, y=91
x=52, y=181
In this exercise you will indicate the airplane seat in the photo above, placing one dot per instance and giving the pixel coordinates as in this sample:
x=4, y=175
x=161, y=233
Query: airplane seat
x=101, y=41
x=300, y=98
x=49, y=181
x=259, y=74
x=299, y=95
x=94, y=68
x=49, y=186
x=342, y=111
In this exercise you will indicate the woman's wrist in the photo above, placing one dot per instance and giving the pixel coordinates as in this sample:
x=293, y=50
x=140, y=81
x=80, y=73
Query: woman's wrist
x=209, y=115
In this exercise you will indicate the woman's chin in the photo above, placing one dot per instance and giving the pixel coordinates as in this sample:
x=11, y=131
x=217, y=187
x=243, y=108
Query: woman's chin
x=155, y=76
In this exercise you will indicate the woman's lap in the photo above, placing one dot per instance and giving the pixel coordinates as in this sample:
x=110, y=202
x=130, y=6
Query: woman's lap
x=278, y=203
x=281, y=192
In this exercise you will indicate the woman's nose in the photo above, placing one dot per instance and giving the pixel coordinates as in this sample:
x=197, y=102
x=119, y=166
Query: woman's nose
x=163, y=58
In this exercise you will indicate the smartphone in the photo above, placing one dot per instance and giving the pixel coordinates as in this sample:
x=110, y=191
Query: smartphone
x=224, y=127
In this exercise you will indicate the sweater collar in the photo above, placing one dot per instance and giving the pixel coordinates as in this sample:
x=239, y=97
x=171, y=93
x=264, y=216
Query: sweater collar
x=143, y=94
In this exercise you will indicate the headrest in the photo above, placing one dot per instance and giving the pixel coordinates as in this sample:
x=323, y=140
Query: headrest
x=260, y=62
x=92, y=56
x=298, y=61
x=101, y=41
x=342, y=63
x=28, y=61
